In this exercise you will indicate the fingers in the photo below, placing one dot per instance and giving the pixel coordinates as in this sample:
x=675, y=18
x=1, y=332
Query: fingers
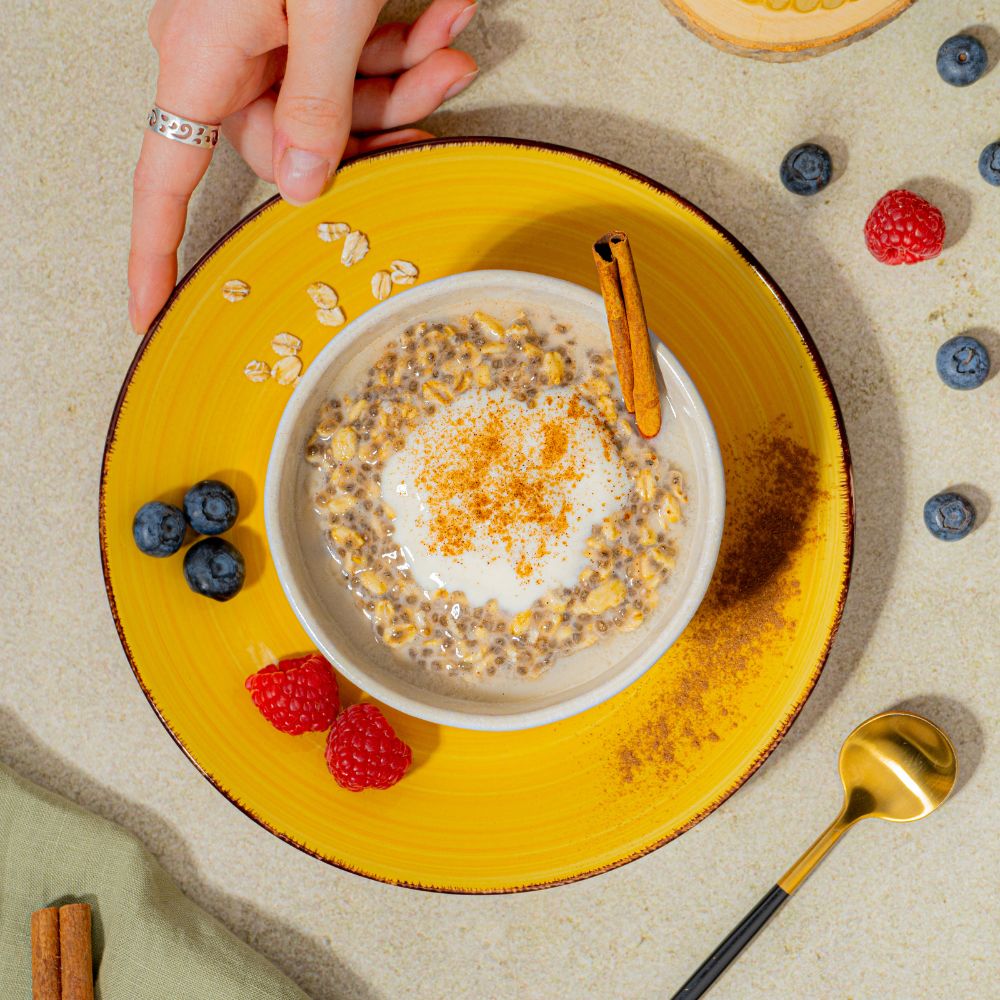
x=312, y=117
x=199, y=88
x=385, y=103
x=391, y=48
x=379, y=105
x=167, y=174
x=251, y=133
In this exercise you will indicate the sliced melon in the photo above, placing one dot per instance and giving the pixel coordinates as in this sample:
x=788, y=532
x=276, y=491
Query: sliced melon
x=784, y=30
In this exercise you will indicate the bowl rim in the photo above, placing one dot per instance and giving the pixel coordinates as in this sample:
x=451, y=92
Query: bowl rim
x=286, y=438
x=794, y=319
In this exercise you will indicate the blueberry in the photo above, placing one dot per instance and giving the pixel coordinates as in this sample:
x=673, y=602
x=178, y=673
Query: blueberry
x=158, y=529
x=806, y=169
x=961, y=60
x=214, y=568
x=211, y=507
x=949, y=516
x=989, y=164
x=963, y=363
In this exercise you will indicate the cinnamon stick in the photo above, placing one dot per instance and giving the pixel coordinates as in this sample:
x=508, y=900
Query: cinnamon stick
x=45, y=977
x=76, y=958
x=645, y=392
x=614, y=305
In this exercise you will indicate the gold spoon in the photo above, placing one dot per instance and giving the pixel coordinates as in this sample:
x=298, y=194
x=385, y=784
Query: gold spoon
x=896, y=766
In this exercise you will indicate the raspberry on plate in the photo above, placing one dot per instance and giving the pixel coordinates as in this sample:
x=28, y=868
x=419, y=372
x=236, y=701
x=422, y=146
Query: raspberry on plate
x=904, y=228
x=296, y=696
x=363, y=751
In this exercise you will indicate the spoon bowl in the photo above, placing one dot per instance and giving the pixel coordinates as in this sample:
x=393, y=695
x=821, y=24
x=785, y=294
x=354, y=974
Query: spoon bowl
x=896, y=766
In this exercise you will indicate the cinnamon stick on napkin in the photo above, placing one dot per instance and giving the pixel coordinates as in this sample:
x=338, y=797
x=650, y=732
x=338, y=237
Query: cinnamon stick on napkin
x=45, y=976
x=62, y=964
x=75, y=956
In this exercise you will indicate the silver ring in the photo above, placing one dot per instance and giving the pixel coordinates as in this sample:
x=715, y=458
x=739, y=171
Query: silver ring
x=182, y=129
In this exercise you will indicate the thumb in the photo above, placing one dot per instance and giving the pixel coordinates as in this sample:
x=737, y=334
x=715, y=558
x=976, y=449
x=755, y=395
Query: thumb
x=312, y=117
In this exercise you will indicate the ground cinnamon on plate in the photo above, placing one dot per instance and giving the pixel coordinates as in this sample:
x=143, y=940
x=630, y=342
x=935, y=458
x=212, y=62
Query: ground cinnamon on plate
x=773, y=484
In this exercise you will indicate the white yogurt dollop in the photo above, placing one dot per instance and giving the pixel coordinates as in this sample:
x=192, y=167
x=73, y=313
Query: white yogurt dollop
x=497, y=499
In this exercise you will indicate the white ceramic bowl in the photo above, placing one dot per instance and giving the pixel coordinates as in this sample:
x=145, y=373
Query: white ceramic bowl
x=345, y=637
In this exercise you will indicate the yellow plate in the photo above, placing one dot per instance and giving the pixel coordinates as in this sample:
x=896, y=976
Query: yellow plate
x=487, y=812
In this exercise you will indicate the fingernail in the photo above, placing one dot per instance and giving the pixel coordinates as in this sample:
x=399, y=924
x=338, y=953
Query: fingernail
x=302, y=175
x=462, y=21
x=460, y=84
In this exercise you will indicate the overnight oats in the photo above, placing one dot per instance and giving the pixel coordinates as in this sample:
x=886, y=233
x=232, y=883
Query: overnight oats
x=487, y=501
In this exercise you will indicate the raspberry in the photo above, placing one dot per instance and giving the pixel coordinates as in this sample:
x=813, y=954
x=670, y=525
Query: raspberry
x=903, y=228
x=362, y=750
x=296, y=696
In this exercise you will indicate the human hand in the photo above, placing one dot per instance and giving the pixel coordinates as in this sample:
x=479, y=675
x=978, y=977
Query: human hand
x=297, y=86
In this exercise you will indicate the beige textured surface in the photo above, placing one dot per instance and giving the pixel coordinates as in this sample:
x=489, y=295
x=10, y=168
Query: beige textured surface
x=920, y=627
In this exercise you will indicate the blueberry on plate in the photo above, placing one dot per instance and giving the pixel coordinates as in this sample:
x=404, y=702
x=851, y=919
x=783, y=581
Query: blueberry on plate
x=963, y=363
x=949, y=516
x=806, y=169
x=961, y=60
x=211, y=507
x=989, y=164
x=214, y=568
x=158, y=529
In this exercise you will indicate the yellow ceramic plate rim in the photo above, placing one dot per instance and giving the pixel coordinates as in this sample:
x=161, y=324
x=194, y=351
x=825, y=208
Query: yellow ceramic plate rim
x=821, y=372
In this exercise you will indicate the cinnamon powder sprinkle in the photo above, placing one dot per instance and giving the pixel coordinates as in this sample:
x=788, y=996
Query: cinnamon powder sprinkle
x=773, y=488
x=502, y=473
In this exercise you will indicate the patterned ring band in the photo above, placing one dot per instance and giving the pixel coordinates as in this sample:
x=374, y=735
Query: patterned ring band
x=182, y=129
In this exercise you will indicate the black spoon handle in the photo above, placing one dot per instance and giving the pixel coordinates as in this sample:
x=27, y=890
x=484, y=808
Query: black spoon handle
x=739, y=938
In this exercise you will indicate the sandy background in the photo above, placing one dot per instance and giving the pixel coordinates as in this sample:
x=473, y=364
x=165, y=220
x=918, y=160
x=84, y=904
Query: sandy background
x=898, y=911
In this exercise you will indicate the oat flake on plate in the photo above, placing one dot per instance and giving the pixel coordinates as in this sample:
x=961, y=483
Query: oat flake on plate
x=403, y=272
x=330, y=317
x=381, y=285
x=235, y=290
x=257, y=371
x=330, y=232
x=287, y=370
x=323, y=295
x=355, y=248
x=286, y=344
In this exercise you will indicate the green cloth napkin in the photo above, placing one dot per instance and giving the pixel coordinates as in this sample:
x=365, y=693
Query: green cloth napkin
x=149, y=939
